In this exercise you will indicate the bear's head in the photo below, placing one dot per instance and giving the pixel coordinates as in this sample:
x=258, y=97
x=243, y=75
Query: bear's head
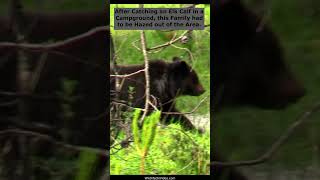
x=183, y=80
x=249, y=64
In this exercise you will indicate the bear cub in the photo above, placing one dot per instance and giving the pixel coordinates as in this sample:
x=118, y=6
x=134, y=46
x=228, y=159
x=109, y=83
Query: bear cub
x=168, y=80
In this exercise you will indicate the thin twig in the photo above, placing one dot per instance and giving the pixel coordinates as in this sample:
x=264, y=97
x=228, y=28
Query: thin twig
x=175, y=113
x=276, y=145
x=169, y=43
x=186, y=49
x=127, y=75
x=75, y=148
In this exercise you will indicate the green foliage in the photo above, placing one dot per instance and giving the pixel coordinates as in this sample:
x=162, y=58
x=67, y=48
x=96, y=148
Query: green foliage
x=67, y=95
x=61, y=165
x=173, y=151
x=184, y=147
x=149, y=130
x=86, y=165
x=144, y=139
x=135, y=129
x=131, y=92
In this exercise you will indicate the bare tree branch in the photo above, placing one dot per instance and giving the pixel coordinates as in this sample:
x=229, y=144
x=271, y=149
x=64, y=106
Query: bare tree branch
x=59, y=44
x=127, y=75
x=276, y=145
x=170, y=42
x=74, y=148
x=146, y=71
x=52, y=48
x=163, y=112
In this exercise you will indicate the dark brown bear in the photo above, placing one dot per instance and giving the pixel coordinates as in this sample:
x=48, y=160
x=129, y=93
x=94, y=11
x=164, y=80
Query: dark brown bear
x=249, y=63
x=168, y=81
x=249, y=68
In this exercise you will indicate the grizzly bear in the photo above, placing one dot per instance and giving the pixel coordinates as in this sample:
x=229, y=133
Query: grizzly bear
x=248, y=68
x=249, y=61
x=168, y=81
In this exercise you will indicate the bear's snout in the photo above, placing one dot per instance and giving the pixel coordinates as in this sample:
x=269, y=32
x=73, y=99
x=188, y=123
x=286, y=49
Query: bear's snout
x=198, y=90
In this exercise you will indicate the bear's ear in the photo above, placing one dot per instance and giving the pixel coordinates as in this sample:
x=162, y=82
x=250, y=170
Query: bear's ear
x=174, y=59
x=181, y=67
